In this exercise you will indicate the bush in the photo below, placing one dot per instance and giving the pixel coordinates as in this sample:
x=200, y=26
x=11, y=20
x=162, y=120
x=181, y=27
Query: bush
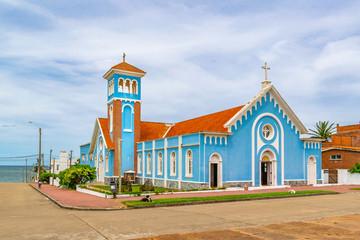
x=355, y=169
x=78, y=174
x=45, y=176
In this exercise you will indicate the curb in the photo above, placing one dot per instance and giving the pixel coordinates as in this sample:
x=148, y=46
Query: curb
x=72, y=207
x=230, y=200
x=176, y=204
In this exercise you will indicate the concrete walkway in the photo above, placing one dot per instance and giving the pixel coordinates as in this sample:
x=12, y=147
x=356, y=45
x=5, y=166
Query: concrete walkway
x=72, y=198
x=26, y=214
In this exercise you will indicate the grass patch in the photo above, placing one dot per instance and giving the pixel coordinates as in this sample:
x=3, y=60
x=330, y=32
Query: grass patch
x=355, y=189
x=215, y=198
x=136, y=189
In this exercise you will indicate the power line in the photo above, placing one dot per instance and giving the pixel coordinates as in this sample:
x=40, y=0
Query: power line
x=34, y=155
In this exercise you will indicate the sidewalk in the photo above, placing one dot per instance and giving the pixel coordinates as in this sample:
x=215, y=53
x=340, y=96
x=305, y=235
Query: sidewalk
x=72, y=199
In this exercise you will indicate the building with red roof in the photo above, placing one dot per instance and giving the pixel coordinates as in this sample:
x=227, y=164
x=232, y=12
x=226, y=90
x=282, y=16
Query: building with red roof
x=255, y=144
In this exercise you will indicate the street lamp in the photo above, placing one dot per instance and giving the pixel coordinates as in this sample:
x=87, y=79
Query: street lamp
x=39, y=160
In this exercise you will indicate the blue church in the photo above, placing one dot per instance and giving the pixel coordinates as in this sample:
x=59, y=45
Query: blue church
x=256, y=144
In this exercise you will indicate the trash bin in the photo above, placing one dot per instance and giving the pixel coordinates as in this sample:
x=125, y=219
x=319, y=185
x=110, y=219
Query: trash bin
x=113, y=187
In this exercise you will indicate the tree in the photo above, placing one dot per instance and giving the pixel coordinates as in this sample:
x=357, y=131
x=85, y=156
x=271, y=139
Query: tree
x=355, y=169
x=323, y=130
x=77, y=174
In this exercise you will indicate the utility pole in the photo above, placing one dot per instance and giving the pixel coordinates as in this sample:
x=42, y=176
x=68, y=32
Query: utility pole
x=50, y=161
x=23, y=175
x=42, y=157
x=53, y=172
x=70, y=157
x=26, y=179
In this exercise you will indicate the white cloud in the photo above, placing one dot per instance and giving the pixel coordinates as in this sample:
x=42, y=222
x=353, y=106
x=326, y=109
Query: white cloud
x=199, y=60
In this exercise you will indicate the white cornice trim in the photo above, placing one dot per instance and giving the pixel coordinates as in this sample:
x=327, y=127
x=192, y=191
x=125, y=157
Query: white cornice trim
x=109, y=73
x=313, y=139
x=123, y=99
x=340, y=148
x=94, y=135
x=278, y=100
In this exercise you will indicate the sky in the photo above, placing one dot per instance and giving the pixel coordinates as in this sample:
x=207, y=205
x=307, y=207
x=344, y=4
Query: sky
x=200, y=57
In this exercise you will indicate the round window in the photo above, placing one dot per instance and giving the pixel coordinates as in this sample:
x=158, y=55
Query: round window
x=268, y=131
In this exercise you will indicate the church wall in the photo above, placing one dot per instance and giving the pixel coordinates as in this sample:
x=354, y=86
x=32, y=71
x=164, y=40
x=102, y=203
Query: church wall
x=240, y=150
x=84, y=149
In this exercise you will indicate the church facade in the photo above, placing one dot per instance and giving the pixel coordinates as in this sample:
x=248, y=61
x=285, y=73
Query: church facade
x=255, y=144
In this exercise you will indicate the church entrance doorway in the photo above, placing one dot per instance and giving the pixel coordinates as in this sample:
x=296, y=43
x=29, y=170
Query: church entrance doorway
x=311, y=167
x=214, y=175
x=268, y=168
x=215, y=171
x=266, y=173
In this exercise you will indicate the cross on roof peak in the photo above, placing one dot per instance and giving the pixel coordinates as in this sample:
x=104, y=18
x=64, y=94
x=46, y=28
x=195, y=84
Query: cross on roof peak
x=124, y=55
x=265, y=68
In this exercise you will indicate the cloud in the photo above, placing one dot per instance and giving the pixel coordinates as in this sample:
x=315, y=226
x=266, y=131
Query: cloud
x=199, y=58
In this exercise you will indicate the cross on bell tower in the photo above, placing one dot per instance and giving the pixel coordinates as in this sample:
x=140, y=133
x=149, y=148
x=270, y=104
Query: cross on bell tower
x=266, y=82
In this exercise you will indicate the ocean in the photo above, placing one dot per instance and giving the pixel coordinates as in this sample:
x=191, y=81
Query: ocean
x=14, y=174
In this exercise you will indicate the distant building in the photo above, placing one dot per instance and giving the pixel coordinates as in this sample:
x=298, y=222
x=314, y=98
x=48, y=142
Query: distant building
x=344, y=149
x=255, y=144
x=63, y=162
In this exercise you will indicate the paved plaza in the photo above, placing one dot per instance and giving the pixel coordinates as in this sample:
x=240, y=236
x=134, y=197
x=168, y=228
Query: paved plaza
x=26, y=214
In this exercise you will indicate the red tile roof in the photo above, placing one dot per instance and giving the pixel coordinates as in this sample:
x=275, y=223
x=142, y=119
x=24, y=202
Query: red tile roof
x=341, y=148
x=212, y=122
x=105, y=130
x=127, y=67
x=152, y=130
x=209, y=123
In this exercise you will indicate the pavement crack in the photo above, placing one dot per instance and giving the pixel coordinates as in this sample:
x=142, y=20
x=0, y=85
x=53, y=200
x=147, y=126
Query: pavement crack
x=90, y=226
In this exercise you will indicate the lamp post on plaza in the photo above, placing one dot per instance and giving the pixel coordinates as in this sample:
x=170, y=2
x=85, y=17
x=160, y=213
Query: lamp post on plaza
x=39, y=159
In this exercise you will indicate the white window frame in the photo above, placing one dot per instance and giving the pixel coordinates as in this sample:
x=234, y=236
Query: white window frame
x=136, y=86
x=189, y=162
x=122, y=85
x=111, y=118
x=101, y=144
x=173, y=164
x=160, y=163
x=83, y=157
x=139, y=164
x=148, y=163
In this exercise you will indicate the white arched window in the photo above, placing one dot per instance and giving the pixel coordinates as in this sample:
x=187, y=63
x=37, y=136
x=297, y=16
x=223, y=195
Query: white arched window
x=111, y=118
x=189, y=164
x=107, y=162
x=127, y=86
x=148, y=166
x=101, y=145
x=173, y=164
x=134, y=87
x=121, y=85
x=160, y=163
x=139, y=164
x=111, y=87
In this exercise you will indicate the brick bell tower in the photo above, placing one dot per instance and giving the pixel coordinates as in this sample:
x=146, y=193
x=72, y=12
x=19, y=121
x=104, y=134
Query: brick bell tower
x=124, y=109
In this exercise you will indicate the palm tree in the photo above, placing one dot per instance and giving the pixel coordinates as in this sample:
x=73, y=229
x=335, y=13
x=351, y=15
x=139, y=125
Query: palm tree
x=323, y=130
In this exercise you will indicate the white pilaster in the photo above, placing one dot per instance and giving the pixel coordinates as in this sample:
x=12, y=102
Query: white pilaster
x=180, y=162
x=165, y=162
x=143, y=162
x=153, y=162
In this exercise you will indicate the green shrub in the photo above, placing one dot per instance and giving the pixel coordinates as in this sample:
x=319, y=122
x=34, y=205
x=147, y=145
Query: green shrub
x=355, y=169
x=77, y=174
x=45, y=176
